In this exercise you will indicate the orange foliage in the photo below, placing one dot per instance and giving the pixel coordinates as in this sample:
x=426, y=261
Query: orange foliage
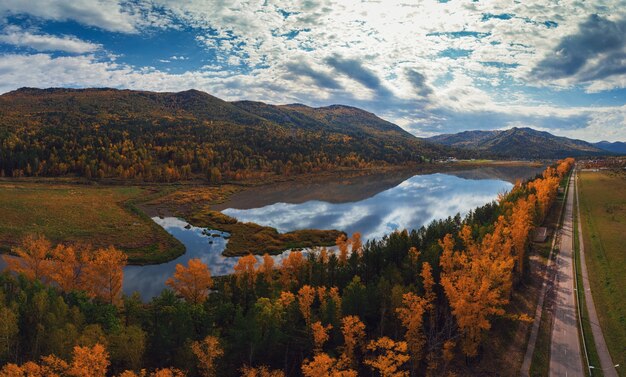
x=69, y=267
x=414, y=255
x=32, y=258
x=105, y=274
x=353, y=331
x=86, y=362
x=411, y=314
x=168, y=372
x=323, y=365
x=207, y=351
x=343, y=243
x=323, y=256
x=389, y=357
x=521, y=225
x=286, y=299
x=290, y=269
x=306, y=296
x=245, y=271
x=89, y=362
x=192, y=282
x=261, y=371
x=320, y=335
x=357, y=244
x=477, y=281
x=546, y=191
x=267, y=268
x=429, y=283
x=165, y=372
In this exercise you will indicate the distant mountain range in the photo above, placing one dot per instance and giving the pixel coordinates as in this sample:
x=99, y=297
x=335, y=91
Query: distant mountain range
x=128, y=134
x=524, y=143
x=617, y=147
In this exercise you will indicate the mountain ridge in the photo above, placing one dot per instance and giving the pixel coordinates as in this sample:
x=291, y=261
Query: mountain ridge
x=170, y=136
x=618, y=147
x=518, y=142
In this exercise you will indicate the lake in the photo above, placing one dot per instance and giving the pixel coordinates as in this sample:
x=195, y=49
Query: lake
x=372, y=205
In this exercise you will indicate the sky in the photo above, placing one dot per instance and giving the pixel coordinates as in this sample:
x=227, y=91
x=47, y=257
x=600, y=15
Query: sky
x=429, y=66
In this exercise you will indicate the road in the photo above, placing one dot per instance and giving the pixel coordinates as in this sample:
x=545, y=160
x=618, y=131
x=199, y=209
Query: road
x=565, y=353
x=608, y=368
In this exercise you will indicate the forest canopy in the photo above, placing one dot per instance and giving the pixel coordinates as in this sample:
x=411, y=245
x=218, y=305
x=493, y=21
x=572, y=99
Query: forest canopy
x=165, y=137
x=408, y=304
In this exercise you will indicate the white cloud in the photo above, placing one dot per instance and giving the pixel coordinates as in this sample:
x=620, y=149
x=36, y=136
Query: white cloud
x=45, y=42
x=105, y=14
x=286, y=56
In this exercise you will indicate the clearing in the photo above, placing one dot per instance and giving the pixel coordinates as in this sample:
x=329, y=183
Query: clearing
x=101, y=216
x=603, y=215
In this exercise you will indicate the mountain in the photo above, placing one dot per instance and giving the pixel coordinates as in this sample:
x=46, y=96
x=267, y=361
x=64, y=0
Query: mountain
x=336, y=118
x=617, y=147
x=127, y=134
x=525, y=143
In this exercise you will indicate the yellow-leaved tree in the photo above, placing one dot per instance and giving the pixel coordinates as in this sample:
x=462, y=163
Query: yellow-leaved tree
x=192, y=282
x=477, y=281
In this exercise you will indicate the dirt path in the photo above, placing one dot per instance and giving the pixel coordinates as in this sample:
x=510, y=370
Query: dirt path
x=608, y=368
x=565, y=353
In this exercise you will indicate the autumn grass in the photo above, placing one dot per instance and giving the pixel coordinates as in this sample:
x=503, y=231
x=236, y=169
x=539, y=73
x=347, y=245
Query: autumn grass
x=256, y=239
x=587, y=336
x=194, y=205
x=101, y=216
x=603, y=216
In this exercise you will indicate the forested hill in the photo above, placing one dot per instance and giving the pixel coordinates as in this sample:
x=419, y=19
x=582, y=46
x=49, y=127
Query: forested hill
x=516, y=142
x=337, y=118
x=109, y=133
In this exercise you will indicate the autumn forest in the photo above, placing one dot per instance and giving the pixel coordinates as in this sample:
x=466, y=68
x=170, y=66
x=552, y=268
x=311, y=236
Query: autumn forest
x=416, y=302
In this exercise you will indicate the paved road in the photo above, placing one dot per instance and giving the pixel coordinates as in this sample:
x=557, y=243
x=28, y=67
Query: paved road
x=565, y=355
x=606, y=363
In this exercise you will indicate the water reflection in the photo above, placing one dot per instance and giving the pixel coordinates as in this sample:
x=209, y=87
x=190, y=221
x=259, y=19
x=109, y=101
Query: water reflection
x=411, y=204
x=207, y=245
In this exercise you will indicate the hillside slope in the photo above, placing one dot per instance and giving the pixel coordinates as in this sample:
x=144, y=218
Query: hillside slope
x=126, y=134
x=525, y=143
x=617, y=147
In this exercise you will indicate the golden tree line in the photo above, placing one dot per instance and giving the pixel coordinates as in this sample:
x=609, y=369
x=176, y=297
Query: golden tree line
x=477, y=275
x=71, y=267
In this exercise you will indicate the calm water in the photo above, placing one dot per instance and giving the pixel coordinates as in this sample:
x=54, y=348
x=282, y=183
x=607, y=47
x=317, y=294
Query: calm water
x=410, y=204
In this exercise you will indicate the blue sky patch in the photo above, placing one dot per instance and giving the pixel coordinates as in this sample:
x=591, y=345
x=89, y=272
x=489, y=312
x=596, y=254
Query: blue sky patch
x=455, y=53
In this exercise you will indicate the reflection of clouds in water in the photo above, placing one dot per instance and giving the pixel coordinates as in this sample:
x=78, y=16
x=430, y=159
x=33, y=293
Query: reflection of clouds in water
x=150, y=280
x=413, y=203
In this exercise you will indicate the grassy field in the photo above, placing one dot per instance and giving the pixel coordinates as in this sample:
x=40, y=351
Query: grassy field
x=603, y=215
x=101, y=216
x=587, y=336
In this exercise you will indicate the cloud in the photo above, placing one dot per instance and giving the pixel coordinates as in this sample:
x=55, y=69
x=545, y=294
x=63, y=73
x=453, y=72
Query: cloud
x=45, y=42
x=354, y=69
x=407, y=62
x=321, y=79
x=107, y=15
x=594, y=52
x=419, y=82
